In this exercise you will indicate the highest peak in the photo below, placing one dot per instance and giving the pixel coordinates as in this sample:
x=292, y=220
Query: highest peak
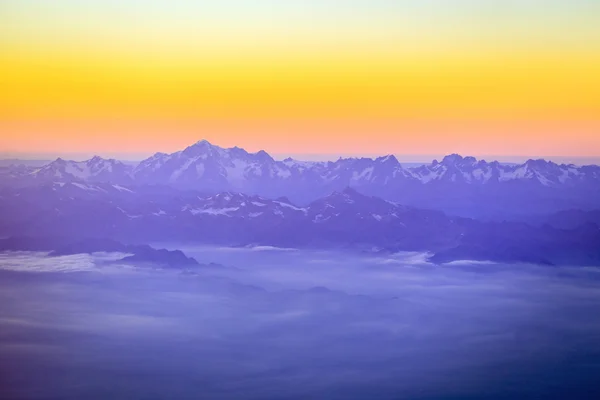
x=205, y=147
x=199, y=147
x=203, y=142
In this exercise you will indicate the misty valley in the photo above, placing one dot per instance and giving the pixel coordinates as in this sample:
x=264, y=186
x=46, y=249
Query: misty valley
x=267, y=322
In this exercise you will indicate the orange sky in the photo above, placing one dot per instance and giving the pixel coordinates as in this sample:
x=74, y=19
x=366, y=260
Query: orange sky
x=369, y=137
x=365, y=87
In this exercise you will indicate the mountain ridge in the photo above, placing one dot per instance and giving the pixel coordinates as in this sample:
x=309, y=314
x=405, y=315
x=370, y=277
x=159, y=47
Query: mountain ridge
x=344, y=219
x=203, y=150
x=452, y=185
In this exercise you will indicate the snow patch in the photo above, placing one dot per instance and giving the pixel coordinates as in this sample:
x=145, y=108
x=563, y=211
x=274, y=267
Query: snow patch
x=84, y=187
x=78, y=170
x=366, y=174
x=182, y=169
x=286, y=205
x=213, y=211
x=122, y=189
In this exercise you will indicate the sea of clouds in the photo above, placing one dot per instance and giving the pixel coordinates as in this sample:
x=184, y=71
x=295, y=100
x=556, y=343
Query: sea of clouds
x=286, y=324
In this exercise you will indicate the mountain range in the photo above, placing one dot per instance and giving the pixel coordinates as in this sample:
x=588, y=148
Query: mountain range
x=457, y=208
x=344, y=219
x=457, y=185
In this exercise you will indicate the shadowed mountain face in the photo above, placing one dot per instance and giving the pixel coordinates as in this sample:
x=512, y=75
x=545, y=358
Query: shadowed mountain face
x=456, y=185
x=344, y=219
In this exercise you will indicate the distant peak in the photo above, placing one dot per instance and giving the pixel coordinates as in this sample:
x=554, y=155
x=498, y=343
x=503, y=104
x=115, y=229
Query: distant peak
x=237, y=152
x=202, y=142
x=540, y=164
x=538, y=161
x=263, y=155
x=457, y=159
x=390, y=158
x=200, y=147
x=452, y=159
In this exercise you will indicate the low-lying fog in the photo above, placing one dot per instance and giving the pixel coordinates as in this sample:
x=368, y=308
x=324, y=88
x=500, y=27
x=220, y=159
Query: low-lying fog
x=286, y=324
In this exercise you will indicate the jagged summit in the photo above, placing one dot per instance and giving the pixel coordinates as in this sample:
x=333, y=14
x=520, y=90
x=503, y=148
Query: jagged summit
x=452, y=159
x=201, y=147
x=263, y=155
x=205, y=147
x=390, y=158
x=203, y=142
x=457, y=159
x=539, y=162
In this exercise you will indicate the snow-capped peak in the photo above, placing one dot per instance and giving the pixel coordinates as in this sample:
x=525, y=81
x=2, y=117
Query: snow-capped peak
x=97, y=159
x=96, y=169
x=390, y=158
x=457, y=159
x=200, y=148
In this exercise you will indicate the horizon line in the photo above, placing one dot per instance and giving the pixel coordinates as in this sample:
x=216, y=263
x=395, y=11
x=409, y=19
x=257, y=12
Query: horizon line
x=402, y=158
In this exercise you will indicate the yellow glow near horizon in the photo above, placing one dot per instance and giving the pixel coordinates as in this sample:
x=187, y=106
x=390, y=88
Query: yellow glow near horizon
x=75, y=66
x=333, y=86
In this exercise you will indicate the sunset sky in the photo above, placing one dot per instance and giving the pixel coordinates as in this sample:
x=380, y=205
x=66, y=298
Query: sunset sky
x=317, y=78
